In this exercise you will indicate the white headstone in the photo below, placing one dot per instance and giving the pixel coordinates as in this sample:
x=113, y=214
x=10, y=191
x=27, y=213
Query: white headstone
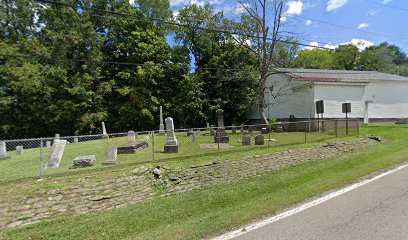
x=48, y=144
x=131, y=137
x=161, y=127
x=198, y=132
x=171, y=137
x=112, y=155
x=57, y=136
x=192, y=138
x=57, y=151
x=3, y=151
x=19, y=150
x=104, y=132
x=75, y=140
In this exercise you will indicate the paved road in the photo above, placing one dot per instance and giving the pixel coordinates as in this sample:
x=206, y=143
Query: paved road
x=378, y=210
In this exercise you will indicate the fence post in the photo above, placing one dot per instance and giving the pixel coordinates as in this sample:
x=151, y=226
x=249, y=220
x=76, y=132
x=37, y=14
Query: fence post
x=335, y=127
x=306, y=125
x=153, y=145
x=358, y=128
x=41, y=157
x=269, y=135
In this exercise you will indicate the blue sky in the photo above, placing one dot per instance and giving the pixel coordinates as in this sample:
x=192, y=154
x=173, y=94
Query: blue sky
x=332, y=22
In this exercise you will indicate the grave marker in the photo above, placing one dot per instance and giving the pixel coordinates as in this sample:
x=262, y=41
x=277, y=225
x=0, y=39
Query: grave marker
x=19, y=150
x=161, y=127
x=104, y=132
x=3, y=151
x=246, y=140
x=221, y=135
x=259, y=139
x=57, y=151
x=131, y=137
x=112, y=156
x=172, y=144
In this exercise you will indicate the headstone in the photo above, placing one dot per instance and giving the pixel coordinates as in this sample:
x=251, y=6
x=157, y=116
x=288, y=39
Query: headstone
x=161, y=127
x=131, y=137
x=190, y=132
x=221, y=135
x=112, y=156
x=234, y=129
x=278, y=127
x=3, y=151
x=57, y=136
x=134, y=147
x=192, y=138
x=57, y=151
x=259, y=139
x=198, y=133
x=212, y=130
x=172, y=144
x=84, y=161
x=242, y=129
x=48, y=144
x=246, y=140
x=19, y=150
x=75, y=140
x=104, y=132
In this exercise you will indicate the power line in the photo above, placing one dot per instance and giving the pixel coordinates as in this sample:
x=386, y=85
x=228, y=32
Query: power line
x=386, y=5
x=350, y=28
x=180, y=24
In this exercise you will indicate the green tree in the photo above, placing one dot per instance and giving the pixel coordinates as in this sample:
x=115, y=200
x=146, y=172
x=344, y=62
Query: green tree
x=314, y=59
x=345, y=57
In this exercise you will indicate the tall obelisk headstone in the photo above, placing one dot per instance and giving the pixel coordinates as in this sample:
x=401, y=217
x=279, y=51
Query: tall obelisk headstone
x=161, y=127
x=221, y=135
x=3, y=151
x=171, y=145
x=104, y=132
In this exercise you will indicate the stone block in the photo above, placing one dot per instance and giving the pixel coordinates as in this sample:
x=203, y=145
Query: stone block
x=132, y=148
x=171, y=148
x=84, y=161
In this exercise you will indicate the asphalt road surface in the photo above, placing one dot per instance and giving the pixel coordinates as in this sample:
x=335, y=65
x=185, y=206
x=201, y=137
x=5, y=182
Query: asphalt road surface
x=377, y=210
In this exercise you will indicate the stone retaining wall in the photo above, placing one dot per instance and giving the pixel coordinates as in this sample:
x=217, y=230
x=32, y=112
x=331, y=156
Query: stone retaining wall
x=89, y=195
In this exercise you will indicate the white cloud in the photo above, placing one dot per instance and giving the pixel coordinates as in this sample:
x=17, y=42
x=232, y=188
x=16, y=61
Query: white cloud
x=308, y=22
x=294, y=8
x=331, y=46
x=240, y=8
x=386, y=1
x=312, y=45
x=335, y=4
x=178, y=2
x=362, y=25
x=361, y=44
x=132, y=2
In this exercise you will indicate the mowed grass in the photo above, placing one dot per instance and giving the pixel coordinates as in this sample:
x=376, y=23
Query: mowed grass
x=28, y=165
x=211, y=211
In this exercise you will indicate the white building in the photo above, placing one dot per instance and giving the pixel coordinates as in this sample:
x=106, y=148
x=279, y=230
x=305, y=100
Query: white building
x=374, y=96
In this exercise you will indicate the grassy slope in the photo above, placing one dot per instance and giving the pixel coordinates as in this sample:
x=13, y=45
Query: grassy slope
x=216, y=209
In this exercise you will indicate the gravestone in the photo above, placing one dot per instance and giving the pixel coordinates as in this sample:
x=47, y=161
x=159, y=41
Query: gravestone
x=234, y=129
x=212, y=130
x=190, y=132
x=131, y=137
x=172, y=144
x=19, y=150
x=3, y=151
x=259, y=139
x=84, y=161
x=207, y=129
x=264, y=130
x=161, y=126
x=242, y=129
x=279, y=127
x=132, y=147
x=75, y=140
x=104, y=132
x=198, y=133
x=48, y=144
x=57, y=136
x=246, y=140
x=192, y=138
x=221, y=135
x=57, y=151
x=112, y=156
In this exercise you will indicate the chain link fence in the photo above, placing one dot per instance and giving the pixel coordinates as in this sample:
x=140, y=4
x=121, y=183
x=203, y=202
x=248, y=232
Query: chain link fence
x=58, y=156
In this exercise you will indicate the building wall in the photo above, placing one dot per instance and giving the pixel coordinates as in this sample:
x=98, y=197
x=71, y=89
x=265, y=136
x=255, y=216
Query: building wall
x=335, y=94
x=387, y=99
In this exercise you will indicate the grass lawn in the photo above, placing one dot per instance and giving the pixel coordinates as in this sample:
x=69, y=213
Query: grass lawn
x=213, y=210
x=27, y=166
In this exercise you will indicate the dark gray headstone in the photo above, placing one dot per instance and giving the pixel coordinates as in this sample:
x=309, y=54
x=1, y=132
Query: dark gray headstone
x=259, y=139
x=57, y=150
x=221, y=135
x=246, y=140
